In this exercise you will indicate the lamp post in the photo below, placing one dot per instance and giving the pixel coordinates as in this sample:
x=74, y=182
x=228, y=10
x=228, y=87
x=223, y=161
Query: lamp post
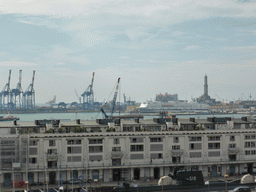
x=226, y=184
x=162, y=178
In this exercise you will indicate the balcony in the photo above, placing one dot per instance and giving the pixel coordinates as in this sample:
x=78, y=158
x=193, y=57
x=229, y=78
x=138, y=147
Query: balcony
x=52, y=157
x=177, y=152
x=117, y=154
x=234, y=150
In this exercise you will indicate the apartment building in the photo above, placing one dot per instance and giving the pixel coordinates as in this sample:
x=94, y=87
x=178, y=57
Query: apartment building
x=51, y=150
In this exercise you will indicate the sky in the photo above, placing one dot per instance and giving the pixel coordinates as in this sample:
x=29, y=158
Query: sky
x=154, y=46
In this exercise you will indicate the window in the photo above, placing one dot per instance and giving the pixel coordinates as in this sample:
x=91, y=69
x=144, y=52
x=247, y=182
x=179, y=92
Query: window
x=157, y=139
x=13, y=131
x=116, y=148
x=232, y=138
x=232, y=145
x=195, y=154
x=32, y=160
x=176, y=140
x=176, y=147
x=137, y=148
x=116, y=141
x=74, y=159
x=52, y=151
x=156, y=147
x=95, y=149
x=195, y=138
x=137, y=140
x=247, y=137
x=214, y=154
x=71, y=142
x=116, y=162
x=32, y=151
x=195, y=146
x=74, y=142
x=213, y=145
x=95, y=141
x=52, y=143
x=248, y=144
x=214, y=138
x=250, y=152
x=33, y=143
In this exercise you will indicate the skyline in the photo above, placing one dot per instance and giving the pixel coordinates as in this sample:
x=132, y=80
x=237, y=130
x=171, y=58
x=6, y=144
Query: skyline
x=153, y=46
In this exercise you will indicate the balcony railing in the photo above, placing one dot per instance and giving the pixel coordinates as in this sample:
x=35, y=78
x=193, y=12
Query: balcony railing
x=234, y=150
x=52, y=156
x=177, y=152
x=117, y=154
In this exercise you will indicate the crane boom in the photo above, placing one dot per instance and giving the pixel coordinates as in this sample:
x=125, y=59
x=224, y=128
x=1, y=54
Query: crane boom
x=114, y=99
x=20, y=72
x=19, y=83
x=77, y=95
x=33, y=78
x=92, y=82
x=9, y=80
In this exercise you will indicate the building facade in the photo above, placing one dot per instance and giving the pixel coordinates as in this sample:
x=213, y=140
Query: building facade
x=51, y=150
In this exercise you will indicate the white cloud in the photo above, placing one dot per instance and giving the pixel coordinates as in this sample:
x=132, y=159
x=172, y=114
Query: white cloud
x=191, y=47
x=16, y=64
x=62, y=55
x=152, y=9
x=240, y=48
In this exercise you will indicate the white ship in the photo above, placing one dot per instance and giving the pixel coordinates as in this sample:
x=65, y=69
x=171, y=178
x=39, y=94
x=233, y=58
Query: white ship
x=172, y=106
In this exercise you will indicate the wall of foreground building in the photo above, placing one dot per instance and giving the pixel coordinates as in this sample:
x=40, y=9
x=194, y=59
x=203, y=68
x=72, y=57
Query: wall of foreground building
x=131, y=155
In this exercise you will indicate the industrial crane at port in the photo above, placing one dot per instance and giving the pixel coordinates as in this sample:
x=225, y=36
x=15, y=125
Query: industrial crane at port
x=88, y=96
x=16, y=95
x=29, y=96
x=113, y=102
x=5, y=94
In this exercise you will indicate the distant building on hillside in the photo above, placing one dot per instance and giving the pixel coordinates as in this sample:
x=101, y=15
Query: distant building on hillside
x=166, y=97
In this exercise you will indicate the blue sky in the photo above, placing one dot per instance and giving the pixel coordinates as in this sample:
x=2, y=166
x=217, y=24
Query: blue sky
x=154, y=46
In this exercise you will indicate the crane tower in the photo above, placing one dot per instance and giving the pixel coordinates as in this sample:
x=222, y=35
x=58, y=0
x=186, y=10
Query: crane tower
x=29, y=96
x=88, y=96
x=5, y=94
x=16, y=95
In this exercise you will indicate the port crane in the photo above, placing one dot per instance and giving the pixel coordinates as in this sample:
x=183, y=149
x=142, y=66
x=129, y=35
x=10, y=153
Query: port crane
x=88, y=96
x=16, y=95
x=5, y=93
x=75, y=104
x=29, y=96
x=113, y=103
